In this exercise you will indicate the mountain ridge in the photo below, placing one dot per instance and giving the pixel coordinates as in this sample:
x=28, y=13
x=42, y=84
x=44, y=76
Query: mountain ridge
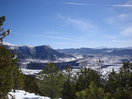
x=104, y=51
x=44, y=52
x=47, y=52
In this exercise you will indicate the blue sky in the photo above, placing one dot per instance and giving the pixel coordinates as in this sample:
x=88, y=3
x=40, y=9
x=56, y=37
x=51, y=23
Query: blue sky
x=68, y=23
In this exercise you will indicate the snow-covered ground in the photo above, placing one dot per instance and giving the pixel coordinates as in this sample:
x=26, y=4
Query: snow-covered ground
x=103, y=70
x=30, y=71
x=74, y=71
x=21, y=94
x=110, y=68
x=107, y=63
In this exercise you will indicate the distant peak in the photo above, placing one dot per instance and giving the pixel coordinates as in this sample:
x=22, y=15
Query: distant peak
x=47, y=46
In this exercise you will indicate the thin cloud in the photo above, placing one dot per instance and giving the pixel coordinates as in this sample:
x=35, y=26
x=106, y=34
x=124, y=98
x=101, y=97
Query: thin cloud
x=86, y=4
x=122, y=23
x=53, y=37
x=127, y=4
x=80, y=24
x=124, y=16
x=59, y=37
x=77, y=3
x=119, y=18
x=127, y=31
x=122, y=5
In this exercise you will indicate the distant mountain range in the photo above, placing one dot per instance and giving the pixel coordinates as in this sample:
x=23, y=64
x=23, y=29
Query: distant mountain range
x=48, y=53
x=101, y=51
x=43, y=52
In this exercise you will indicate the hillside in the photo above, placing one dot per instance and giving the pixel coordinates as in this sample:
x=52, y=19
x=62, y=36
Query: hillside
x=43, y=52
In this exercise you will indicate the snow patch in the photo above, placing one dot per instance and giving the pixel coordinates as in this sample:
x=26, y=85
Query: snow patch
x=21, y=94
x=30, y=71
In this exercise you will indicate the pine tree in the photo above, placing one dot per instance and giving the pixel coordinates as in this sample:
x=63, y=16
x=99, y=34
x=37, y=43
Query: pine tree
x=120, y=84
x=2, y=20
x=31, y=84
x=52, y=81
x=50, y=68
x=69, y=90
x=3, y=33
x=85, y=77
x=18, y=77
x=125, y=75
x=9, y=70
x=113, y=81
x=93, y=92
